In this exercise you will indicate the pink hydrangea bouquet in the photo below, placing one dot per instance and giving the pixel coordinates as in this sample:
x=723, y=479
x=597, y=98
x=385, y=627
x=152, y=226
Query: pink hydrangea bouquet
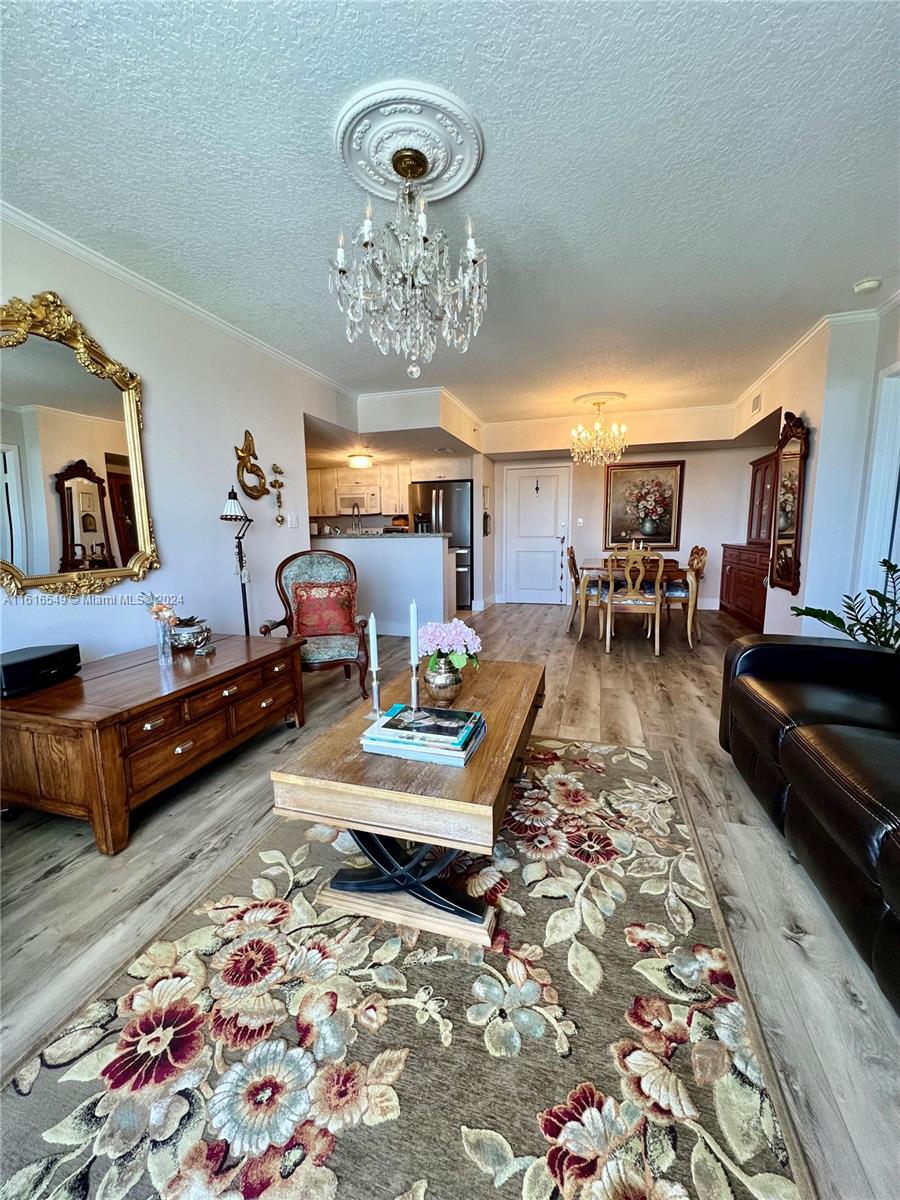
x=451, y=639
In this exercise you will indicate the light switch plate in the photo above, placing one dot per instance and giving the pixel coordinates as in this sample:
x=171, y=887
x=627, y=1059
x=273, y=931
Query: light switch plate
x=580, y=522
x=293, y=521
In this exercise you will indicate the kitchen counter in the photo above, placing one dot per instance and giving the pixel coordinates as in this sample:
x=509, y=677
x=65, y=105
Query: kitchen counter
x=394, y=568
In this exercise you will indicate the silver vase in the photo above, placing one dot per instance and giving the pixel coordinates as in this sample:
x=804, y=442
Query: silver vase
x=444, y=683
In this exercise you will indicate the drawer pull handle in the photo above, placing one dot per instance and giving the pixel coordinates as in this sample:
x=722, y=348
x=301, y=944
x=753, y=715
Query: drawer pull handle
x=267, y=703
x=230, y=691
x=184, y=746
x=277, y=668
x=149, y=725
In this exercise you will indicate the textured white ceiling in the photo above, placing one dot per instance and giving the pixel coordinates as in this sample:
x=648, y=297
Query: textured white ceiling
x=671, y=193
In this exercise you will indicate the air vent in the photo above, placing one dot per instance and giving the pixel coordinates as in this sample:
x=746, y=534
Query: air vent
x=443, y=450
x=756, y=404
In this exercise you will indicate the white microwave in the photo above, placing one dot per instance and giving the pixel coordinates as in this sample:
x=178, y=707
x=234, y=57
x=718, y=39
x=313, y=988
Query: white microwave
x=367, y=499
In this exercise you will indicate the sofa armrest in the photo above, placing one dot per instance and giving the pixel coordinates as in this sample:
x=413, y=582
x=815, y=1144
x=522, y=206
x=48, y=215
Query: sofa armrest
x=811, y=659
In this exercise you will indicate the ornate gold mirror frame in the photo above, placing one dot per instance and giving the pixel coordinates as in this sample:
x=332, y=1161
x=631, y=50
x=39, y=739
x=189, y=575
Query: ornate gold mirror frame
x=46, y=316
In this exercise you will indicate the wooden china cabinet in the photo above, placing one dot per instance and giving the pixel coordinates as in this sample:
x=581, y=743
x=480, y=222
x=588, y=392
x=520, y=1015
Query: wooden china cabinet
x=745, y=566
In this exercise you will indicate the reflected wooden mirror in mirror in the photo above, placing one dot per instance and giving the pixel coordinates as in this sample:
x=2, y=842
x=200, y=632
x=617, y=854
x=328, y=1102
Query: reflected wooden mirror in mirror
x=73, y=507
x=790, y=467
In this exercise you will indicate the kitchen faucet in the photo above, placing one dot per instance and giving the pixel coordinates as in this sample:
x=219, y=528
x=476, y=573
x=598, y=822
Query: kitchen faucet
x=355, y=522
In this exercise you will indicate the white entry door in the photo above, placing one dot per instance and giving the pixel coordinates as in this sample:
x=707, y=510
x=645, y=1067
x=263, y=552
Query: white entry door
x=537, y=532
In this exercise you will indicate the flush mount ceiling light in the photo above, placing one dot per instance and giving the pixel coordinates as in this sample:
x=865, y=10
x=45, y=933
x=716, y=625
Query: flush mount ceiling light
x=360, y=462
x=414, y=143
x=601, y=444
x=865, y=286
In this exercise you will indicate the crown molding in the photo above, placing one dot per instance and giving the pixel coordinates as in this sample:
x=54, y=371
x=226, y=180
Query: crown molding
x=93, y=258
x=624, y=412
x=823, y=324
x=891, y=302
x=479, y=421
x=429, y=393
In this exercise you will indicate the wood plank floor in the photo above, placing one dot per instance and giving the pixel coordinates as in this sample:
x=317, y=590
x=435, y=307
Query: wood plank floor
x=71, y=918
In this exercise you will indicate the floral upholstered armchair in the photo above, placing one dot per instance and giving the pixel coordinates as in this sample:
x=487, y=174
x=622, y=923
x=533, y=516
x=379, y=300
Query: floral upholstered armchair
x=318, y=591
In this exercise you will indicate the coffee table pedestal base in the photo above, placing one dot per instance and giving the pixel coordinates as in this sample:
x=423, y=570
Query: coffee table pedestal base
x=404, y=885
x=400, y=908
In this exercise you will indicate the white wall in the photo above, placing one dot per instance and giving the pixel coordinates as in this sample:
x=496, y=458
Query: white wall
x=828, y=380
x=203, y=385
x=714, y=507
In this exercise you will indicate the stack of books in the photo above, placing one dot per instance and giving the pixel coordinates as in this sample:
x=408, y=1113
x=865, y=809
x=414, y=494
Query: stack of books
x=446, y=736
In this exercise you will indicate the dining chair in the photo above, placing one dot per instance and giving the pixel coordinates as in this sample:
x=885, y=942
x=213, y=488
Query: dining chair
x=634, y=584
x=585, y=593
x=686, y=592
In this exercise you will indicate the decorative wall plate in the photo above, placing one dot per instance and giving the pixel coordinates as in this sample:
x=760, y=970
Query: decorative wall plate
x=378, y=121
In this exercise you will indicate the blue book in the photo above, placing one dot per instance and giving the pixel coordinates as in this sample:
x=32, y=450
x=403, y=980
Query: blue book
x=426, y=753
x=450, y=729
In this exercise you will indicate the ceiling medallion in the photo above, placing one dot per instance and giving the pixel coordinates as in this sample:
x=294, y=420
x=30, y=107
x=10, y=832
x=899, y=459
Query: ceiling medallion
x=414, y=143
x=600, y=445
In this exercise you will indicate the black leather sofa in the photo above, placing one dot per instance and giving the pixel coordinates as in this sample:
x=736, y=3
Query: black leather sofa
x=813, y=725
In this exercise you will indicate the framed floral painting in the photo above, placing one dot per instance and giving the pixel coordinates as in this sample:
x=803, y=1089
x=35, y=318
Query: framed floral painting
x=643, y=504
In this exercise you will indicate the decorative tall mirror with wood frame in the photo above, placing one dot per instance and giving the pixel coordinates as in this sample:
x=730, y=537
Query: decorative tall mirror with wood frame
x=787, y=523
x=73, y=510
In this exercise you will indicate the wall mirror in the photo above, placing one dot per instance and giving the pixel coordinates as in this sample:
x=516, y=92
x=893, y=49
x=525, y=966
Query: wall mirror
x=790, y=469
x=73, y=506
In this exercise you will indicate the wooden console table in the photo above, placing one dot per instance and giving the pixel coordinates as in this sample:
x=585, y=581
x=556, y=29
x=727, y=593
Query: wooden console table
x=126, y=728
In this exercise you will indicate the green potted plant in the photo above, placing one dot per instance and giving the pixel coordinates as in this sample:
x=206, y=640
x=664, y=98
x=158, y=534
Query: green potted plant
x=873, y=617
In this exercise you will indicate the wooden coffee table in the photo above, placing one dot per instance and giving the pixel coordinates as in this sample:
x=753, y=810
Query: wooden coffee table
x=387, y=803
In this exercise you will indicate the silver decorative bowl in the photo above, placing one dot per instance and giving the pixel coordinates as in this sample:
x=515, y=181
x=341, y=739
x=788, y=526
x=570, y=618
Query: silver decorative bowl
x=190, y=637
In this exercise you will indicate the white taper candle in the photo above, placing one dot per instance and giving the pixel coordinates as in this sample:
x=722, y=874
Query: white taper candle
x=373, y=643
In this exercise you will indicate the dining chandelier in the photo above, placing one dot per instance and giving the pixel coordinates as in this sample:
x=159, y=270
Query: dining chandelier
x=410, y=142
x=601, y=444
x=398, y=283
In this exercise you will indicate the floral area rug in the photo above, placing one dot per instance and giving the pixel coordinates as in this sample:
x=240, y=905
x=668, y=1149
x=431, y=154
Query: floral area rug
x=270, y=1047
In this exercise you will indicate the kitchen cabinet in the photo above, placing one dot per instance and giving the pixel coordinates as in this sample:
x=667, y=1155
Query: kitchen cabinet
x=392, y=501
x=327, y=490
x=404, y=476
x=321, y=486
x=445, y=467
x=348, y=478
x=313, y=497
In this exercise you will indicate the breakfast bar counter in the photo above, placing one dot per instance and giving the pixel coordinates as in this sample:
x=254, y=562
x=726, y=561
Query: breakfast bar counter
x=393, y=569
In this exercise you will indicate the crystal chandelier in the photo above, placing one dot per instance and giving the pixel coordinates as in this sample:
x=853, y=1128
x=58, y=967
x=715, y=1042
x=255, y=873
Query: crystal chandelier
x=602, y=444
x=398, y=283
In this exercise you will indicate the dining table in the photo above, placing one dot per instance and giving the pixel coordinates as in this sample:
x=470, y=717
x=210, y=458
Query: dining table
x=673, y=572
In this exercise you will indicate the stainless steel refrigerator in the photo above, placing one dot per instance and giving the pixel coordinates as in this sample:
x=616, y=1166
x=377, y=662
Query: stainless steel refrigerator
x=445, y=506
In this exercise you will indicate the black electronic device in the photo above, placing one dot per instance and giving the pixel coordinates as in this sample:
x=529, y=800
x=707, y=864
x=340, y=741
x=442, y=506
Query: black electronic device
x=33, y=667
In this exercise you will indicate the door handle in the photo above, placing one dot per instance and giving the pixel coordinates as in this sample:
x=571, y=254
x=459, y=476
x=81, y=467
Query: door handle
x=184, y=746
